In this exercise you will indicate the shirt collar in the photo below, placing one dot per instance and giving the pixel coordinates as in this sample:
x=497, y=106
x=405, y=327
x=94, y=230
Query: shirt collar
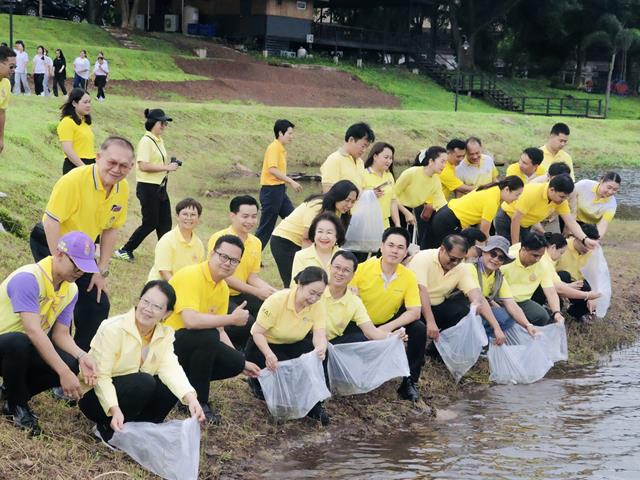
x=344, y=153
x=129, y=326
x=207, y=272
x=291, y=302
x=343, y=299
x=97, y=183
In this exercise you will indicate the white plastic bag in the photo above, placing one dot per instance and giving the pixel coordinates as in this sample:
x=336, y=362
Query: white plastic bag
x=366, y=227
x=363, y=366
x=295, y=387
x=596, y=272
x=518, y=363
x=460, y=345
x=170, y=450
x=552, y=337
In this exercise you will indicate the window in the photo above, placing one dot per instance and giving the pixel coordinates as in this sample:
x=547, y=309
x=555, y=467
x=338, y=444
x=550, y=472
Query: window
x=301, y=5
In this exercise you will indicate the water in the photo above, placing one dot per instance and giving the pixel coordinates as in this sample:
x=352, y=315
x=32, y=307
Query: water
x=629, y=196
x=585, y=426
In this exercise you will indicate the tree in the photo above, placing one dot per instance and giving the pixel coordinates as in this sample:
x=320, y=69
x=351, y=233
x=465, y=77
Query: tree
x=40, y=8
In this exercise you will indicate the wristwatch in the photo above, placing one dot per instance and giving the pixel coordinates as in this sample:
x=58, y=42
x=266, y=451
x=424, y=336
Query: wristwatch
x=104, y=273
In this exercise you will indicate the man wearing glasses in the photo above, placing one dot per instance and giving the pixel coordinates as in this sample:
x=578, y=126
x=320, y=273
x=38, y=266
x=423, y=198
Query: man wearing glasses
x=200, y=316
x=440, y=273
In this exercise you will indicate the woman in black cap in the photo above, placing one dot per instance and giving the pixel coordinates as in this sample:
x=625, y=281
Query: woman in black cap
x=152, y=171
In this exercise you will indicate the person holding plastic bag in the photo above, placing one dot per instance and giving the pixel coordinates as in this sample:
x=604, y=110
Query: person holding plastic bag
x=327, y=234
x=281, y=331
x=495, y=288
x=596, y=202
x=139, y=377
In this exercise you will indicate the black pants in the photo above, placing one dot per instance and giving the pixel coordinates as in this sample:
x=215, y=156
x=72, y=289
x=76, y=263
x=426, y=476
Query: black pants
x=240, y=335
x=275, y=203
x=88, y=313
x=100, y=82
x=502, y=224
x=59, y=81
x=24, y=372
x=577, y=307
x=444, y=222
x=451, y=311
x=205, y=358
x=284, y=351
x=141, y=397
x=38, y=83
x=351, y=334
x=156, y=214
x=424, y=228
x=283, y=251
x=68, y=165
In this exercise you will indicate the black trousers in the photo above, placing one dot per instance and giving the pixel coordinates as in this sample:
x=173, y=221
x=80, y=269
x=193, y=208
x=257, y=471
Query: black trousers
x=156, y=214
x=88, y=313
x=24, y=372
x=79, y=82
x=444, y=222
x=578, y=307
x=351, y=334
x=284, y=351
x=38, y=83
x=205, y=358
x=448, y=314
x=240, y=335
x=59, y=81
x=283, y=251
x=68, y=165
x=141, y=397
x=416, y=344
x=100, y=82
x=275, y=203
x=502, y=224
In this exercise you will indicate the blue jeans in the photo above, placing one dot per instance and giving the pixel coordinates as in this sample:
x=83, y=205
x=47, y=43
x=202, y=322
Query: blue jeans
x=504, y=320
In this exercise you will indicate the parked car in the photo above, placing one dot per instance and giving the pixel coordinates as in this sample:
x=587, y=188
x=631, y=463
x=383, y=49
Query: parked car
x=66, y=9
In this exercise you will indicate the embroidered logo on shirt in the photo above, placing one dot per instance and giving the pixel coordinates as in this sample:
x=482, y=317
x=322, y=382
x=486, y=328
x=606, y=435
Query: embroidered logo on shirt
x=116, y=208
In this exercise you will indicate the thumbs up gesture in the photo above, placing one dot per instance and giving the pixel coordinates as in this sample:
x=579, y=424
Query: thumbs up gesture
x=240, y=316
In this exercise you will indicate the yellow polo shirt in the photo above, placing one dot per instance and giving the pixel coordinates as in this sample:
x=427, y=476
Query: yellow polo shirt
x=274, y=156
x=561, y=156
x=450, y=182
x=488, y=282
x=476, y=206
x=414, y=188
x=341, y=311
x=524, y=280
x=590, y=208
x=173, y=253
x=550, y=265
x=535, y=205
x=78, y=202
x=196, y=290
x=383, y=298
x=251, y=258
x=514, y=169
x=151, y=150
x=293, y=227
x=572, y=261
x=80, y=136
x=283, y=324
x=440, y=285
x=477, y=174
x=373, y=180
x=5, y=93
x=308, y=257
x=342, y=166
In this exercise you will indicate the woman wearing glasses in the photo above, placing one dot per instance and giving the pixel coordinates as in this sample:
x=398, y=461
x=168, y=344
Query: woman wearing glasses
x=152, y=172
x=139, y=378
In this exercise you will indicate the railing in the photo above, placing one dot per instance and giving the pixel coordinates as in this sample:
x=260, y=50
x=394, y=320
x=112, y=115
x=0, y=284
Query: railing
x=576, y=107
x=329, y=33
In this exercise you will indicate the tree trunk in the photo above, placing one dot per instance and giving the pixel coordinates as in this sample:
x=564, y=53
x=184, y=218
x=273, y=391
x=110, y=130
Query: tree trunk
x=40, y=8
x=133, y=12
x=91, y=11
x=124, y=10
x=579, y=63
x=608, y=93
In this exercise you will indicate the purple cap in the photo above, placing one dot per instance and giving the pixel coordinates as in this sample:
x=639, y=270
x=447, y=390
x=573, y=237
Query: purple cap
x=80, y=249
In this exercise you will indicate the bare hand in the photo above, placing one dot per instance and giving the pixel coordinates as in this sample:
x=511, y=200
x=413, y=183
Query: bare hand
x=172, y=167
x=401, y=333
x=98, y=281
x=410, y=218
x=320, y=351
x=577, y=284
x=433, y=332
x=195, y=409
x=499, y=334
x=240, y=316
x=591, y=306
x=89, y=370
x=117, y=419
x=296, y=186
x=271, y=361
x=559, y=318
x=532, y=330
x=70, y=385
x=251, y=369
x=378, y=192
x=591, y=243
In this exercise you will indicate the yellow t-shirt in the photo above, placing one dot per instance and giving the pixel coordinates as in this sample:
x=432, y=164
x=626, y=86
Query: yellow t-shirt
x=196, y=290
x=274, y=156
x=383, y=297
x=561, y=156
x=342, y=166
x=488, y=282
x=308, y=257
x=535, y=205
x=5, y=93
x=478, y=174
x=414, y=188
x=373, y=180
x=514, y=169
x=293, y=227
x=341, y=311
x=251, y=258
x=572, y=261
x=525, y=280
x=78, y=202
x=476, y=206
x=550, y=265
x=173, y=253
x=590, y=208
x=449, y=180
x=80, y=136
x=428, y=270
x=151, y=150
x=283, y=324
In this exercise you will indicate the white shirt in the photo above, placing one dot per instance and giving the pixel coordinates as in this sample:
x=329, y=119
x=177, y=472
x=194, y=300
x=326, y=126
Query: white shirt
x=82, y=67
x=39, y=64
x=49, y=63
x=22, y=59
x=590, y=208
x=476, y=175
x=101, y=70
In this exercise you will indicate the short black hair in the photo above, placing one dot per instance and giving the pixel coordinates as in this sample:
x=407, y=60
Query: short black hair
x=558, y=168
x=6, y=52
x=237, y=202
x=188, y=203
x=591, y=231
x=231, y=239
x=310, y=275
x=559, y=128
x=562, y=183
x=165, y=287
x=534, y=241
x=358, y=131
x=455, y=240
x=281, y=126
x=535, y=154
x=456, y=143
x=19, y=42
x=473, y=235
x=396, y=231
x=347, y=254
x=329, y=217
x=555, y=239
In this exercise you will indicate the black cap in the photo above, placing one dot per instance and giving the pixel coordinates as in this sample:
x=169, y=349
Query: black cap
x=158, y=115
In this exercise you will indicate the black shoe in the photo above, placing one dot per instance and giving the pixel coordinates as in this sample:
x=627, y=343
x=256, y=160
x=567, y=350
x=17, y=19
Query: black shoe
x=23, y=417
x=586, y=319
x=256, y=389
x=3, y=394
x=104, y=434
x=211, y=416
x=58, y=394
x=320, y=414
x=408, y=390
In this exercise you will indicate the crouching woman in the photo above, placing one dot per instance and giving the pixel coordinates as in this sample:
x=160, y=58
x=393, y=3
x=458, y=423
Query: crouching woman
x=139, y=377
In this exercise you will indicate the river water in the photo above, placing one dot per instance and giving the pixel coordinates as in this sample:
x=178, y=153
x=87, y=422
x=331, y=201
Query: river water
x=583, y=426
x=629, y=196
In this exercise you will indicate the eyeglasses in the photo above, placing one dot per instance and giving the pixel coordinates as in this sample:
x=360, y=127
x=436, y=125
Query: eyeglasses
x=497, y=255
x=227, y=259
x=346, y=271
x=454, y=260
x=144, y=303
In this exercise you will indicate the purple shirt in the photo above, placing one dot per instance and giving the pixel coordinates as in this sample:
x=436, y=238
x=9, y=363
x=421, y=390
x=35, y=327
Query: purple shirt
x=23, y=291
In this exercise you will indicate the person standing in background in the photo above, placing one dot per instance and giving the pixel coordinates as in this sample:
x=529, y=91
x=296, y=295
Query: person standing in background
x=22, y=59
x=59, y=73
x=74, y=131
x=39, y=69
x=554, y=151
x=81, y=66
x=100, y=72
x=48, y=73
x=7, y=67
